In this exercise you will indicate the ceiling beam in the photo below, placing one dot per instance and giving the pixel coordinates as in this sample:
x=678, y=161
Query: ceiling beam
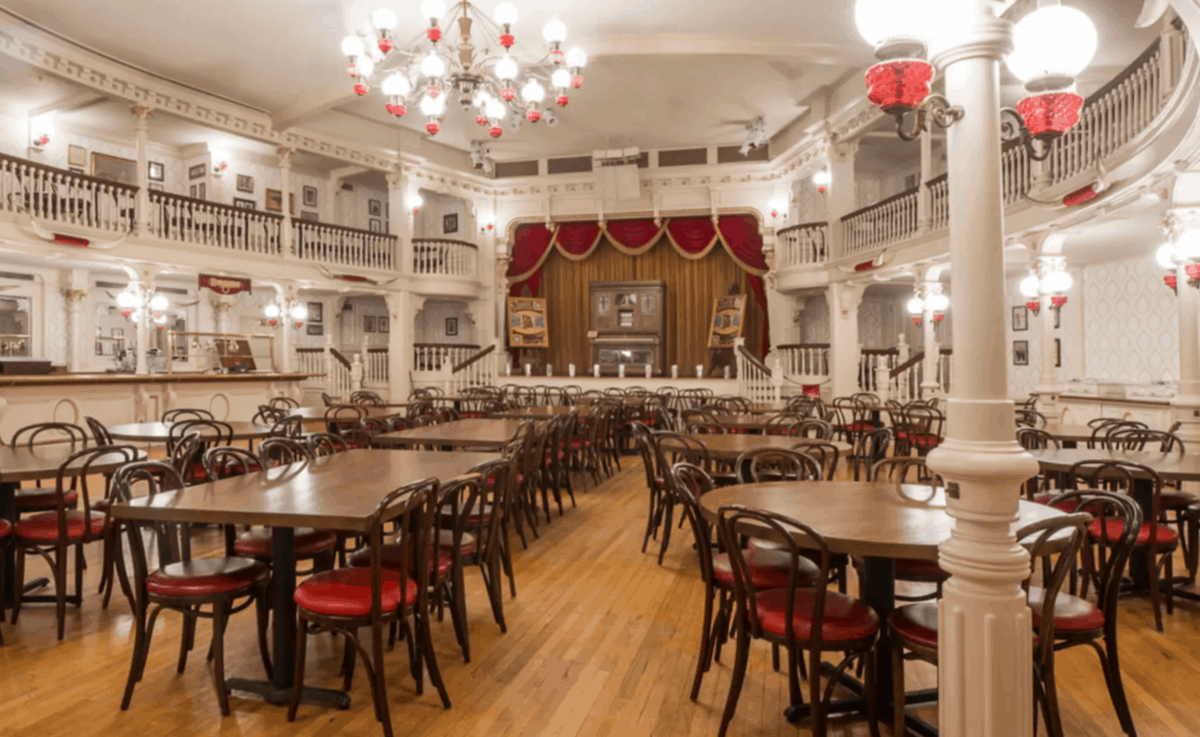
x=70, y=103
x=308, y=107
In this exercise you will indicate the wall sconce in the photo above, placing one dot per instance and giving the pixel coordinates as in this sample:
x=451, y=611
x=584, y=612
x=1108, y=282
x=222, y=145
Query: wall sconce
x=415, y=202
x=220, y=163
x=486, y=223
x=41, y=130
x=822, y=179
x=296, y=312
x=779, y=208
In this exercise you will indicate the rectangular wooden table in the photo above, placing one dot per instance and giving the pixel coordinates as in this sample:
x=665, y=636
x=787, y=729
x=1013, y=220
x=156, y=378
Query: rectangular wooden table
x=477, y=434
x=338, y=492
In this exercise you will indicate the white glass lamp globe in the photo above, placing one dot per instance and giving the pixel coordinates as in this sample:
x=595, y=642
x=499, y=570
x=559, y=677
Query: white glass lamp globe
x=555, y=32
x=126, y=299
x=432, y=9
x=160, y=319
x=1053, y=41
x=299, y=312
x=883, y=21
x=271, y=310
x=506, y=68
x=481, y=98
x=433, y=106
x=396, y=85
x=384, y=19
x=1057, y=282
x=822, y=178
x=1165, y=256
x=1030, y=286
x=505, y=14
x=577, y=57
x=938, y=302
x=1187, y=247
x=352, y=46
x=415, y=202
x=495, y=110
x=158, y=303
x=915, y=306
x=533, y=91
x=561, y=79
x=365, y=66
x=433, y=66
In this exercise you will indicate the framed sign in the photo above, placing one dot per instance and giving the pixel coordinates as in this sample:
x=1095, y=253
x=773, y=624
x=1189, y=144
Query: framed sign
x=195, y=172
x=450, y=223
x=114, y=169
x=245, y=183
x=527, y=323
x=316, y=311
x=1020, y=318
x=729, y=314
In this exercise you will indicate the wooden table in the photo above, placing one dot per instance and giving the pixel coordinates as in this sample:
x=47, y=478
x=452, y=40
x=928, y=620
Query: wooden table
x=729, y=446
x=539, y=413
x=158, y=432
x=880, y=521
x=1070, y=435
x=477, y=434
x=29, y=464
x=309, y=414
x=338, y=492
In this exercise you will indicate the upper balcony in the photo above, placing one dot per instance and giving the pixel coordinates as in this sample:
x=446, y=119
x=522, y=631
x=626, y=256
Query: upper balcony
x=1126, y=130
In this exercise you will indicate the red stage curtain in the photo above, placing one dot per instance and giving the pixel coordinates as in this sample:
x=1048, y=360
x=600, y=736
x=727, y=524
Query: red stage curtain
x=693, y=235
x=758, y=288
x=576, y=240
x=740, y=235
x=633, y=234
x=531, y=245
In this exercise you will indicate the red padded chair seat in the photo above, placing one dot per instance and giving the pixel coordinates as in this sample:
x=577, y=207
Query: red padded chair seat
x=5, y=528
x=846, y=618
x=257, y=542
x=917, y=623
x=1174, y=499
x=857, y=427
x=206, y=576
x=468, y=545
x=44, y=527
x=196, y=473
x=912, y=568
x=1164, y=534
x=925, y=440
x=38, y=499
x=346, y=592
x=392, y=554
x=578, y=444
x=472, y=514
x=1071, y=614
x=767, y=570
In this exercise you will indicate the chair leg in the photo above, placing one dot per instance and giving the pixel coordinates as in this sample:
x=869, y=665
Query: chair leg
x=666, y=529
x=349, y=654
x=430, y=657
x=870, y=689
x=650, y=518
x=899, y=729
x=80, y=565
x=795, y=693
x=262, y=611
x=18, y=584
x=298, y=683
x=1152, y=566
x=140, y=646
x=814, y=694
x=186, y=639
x=1050, y=695
x=458, y=612
x=379, y=680
x=495, y=594
x=1111, y=665
x=705, y=643
x=220, y=615
x=506, y=562
x=1169, y=580
x=737, y=678
x=60, y=589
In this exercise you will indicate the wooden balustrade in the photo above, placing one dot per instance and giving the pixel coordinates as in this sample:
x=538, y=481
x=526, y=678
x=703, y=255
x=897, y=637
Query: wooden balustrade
x=432, y=356
x=804, y=359
x=799, y=245
x=199, y=222
x=342, y=246
x=445, y=257
x=61, y=196
x=874, y=227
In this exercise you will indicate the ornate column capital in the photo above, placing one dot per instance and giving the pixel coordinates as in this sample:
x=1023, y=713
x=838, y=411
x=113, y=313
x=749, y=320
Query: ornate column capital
x=394, y=179
x=142, y=113
x=285, y=156
x=1181, y=220
x=75, y=296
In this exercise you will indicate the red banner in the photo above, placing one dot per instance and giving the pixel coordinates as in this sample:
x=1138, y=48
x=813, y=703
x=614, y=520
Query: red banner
x=224, y=284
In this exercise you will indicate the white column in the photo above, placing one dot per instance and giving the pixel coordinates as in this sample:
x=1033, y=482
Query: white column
x=839, y=198
x=142, y=138
x=286, y=244
x=844, y=351
x=402, y=308
x=929, y=382
x=1186, y=404
x=985, y=653
x=1047, y=388
x=223, y=306
x=924, y=196
x=77, y=342
x=400, y=221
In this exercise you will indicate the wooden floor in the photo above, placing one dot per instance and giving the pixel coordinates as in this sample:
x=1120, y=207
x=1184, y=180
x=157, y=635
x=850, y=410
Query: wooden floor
x=601, y=642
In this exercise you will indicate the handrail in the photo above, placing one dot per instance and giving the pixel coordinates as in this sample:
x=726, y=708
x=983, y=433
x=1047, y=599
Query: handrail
x=801, y=226
x=938, y=179
x=790, y=346
x=309, y=224
x=377, y=350
x=338, y=355
x=68, y=173
x=881, y=351
x=157, y=197
x=310, y=350
x=907, y=364
x=417, y=241
x=445, y=345
x=473, y=359
x=906, y=193
x=754, y=360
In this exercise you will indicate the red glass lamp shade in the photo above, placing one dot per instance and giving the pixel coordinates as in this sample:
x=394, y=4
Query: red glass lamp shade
x=507, y=40
x=507, y=93
x=916, y=319
x=480, y=120
x=352, y=70
x=386, y=45
x=434, y=34
x=899, y=85
x=534, y=115
x=1080, y=196
x=1170, y=281
x=433, y=128
x=272, y=322
x=822, y=189
x=562, y=100
x=577, y=81
x=556, y=56
x=396, y=109
x=811, y=390
x=1034, y=306
x=1049, y=115
x=1057, y=302
x=495, y=131
x=126, y=312
x=1192, y=271
x=433, y=91
x=938, y=317
x=360, y=89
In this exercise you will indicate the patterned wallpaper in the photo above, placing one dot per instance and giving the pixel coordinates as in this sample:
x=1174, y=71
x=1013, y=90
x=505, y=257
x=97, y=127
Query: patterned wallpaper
x=1131, y=325
x=353, y=207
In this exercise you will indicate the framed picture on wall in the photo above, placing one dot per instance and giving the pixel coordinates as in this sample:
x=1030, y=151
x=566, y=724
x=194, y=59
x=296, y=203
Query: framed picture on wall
x=310, y=196
x=156, y=171
x=1057, y=319
x=244, y=204
x=385, y=324
x=368, y=323
x=450, y=223
x=314, y=328
x=273, y=201
x=375, y=225
x=1020, y=318
x=910, y=181
x=114, y=169
x=245, y=183
x=1058, y=352
x=316, y=311
x=1020, y=352
x=451, y=326
x=374, y=208
x=77, y=156
x=195, y=172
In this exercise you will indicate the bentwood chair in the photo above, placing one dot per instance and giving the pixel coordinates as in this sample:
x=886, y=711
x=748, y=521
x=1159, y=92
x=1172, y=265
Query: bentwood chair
x=213, y=433
x=280, y=451
x=803, y=617
x=282, y=402
x=910, y=470
x=346, y=600
x=683, y=448
x=5, y=539
x=775, y=464
x=913, y=628
x=183, y=414
x=51, y=535
x=185, y=585
x=100, y=434
x=37, y=498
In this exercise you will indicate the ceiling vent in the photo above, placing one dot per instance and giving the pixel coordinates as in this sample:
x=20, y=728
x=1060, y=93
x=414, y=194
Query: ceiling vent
x=683, y=157
x=516, y=169
x=14, y=275
x=734, y=155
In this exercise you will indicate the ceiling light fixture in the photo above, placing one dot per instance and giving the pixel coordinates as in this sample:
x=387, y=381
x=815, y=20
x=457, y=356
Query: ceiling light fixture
x=480, y=68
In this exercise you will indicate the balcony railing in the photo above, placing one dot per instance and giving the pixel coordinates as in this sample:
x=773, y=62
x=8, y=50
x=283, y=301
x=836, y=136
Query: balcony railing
x=432, y=356
x=889, y=221
x=62, y=196
x=202, y=223
x=338, y=245
x=445, y=257
x=798, y=245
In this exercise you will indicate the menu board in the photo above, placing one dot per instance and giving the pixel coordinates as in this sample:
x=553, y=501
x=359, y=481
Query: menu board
x=527, y=323
x=729, y=318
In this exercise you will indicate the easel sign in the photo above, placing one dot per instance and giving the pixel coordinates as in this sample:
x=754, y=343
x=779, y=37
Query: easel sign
x=729, y=320
x=527, y=323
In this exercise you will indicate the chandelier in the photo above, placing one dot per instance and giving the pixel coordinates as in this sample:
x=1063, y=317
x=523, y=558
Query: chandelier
x=481, y=69
x=928, y=297
x=1051, y=46
x=286, y=309
x=1049, y=278
x=137, y=301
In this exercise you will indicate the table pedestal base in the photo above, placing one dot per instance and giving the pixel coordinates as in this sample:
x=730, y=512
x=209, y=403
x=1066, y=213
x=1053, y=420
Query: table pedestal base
x=858, y=704
x=273, y=694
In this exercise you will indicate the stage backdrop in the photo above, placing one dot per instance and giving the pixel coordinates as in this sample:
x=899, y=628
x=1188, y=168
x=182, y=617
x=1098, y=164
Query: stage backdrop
x=697, y=261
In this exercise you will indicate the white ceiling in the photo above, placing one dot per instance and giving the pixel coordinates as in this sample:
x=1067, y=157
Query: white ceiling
x=663, y=74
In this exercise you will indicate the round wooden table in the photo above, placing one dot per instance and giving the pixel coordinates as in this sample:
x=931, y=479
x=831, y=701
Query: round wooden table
x=158, y=432
x=729, y=446
x=880, y=521
x=1070, y=435
x=29, y=464
x=308, y=414
x=539, y=413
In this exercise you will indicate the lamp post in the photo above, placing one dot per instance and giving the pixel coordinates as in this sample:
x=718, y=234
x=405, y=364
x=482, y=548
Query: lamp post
x=984, y=642
x=929, y=305
x=286, y=311
x=1046, y=287
x=145, y=309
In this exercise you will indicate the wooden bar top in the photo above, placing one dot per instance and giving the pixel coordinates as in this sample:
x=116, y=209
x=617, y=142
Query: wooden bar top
x=58, y=379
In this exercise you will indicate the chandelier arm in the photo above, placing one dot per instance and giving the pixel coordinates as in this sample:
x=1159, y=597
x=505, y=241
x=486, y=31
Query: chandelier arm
x=912, y=134
x=944, y=114
x=1013, y=128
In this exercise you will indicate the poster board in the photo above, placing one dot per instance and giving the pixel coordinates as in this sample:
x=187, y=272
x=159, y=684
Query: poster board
x=527, y=323
x=729, y=321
